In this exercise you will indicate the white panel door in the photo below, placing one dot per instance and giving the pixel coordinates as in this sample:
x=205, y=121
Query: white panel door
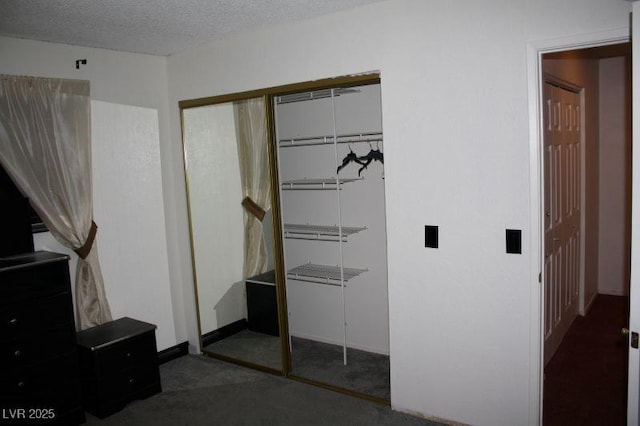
x=561, y=213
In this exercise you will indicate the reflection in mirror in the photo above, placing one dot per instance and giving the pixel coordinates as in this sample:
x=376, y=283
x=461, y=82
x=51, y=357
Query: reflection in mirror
x=331, y=167
x=226, y=148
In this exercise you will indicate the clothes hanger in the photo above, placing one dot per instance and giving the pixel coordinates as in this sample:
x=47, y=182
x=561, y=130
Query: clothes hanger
x=373, y=155
x=350, y=157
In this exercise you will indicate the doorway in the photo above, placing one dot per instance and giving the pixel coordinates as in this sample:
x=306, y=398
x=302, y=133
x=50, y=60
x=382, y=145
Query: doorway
x=593, y=342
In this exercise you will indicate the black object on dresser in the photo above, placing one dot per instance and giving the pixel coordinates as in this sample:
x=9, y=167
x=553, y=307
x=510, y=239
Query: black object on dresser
x=262, y=304
x=15, y=227
x=39, y=379
x=118, y=364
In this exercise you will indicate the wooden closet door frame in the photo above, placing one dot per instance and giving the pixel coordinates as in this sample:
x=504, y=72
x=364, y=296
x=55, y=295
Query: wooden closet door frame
x=269, y=93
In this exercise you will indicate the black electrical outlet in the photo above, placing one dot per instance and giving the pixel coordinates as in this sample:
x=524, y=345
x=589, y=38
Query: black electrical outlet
x=514, y=241
x=431, y=236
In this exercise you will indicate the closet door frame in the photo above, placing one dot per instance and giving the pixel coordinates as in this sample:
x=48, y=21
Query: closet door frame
x=277, y=231
x=332, y=83
x=269, y=94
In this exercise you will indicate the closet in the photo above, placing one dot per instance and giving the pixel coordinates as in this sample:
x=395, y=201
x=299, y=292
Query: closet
x=285, y=192
x=331, y=173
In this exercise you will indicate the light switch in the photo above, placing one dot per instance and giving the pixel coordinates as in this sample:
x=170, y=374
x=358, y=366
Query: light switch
x=431, y=236
x=514, y=241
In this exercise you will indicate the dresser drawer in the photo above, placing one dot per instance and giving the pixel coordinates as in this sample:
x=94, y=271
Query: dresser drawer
x=25, y=350
x=46, y=382
x=36, y=281
x=38, y=352
x=136, y=352
x=35, y=315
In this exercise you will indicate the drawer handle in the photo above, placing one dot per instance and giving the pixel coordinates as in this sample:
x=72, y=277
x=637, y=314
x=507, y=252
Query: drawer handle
x=21, y=384
x=17, y=353
x=13, y=321
x=131, y=381
x=129, y=355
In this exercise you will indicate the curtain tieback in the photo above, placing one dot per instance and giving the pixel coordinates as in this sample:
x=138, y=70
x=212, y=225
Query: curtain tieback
x=253, y=208
x=83, y=251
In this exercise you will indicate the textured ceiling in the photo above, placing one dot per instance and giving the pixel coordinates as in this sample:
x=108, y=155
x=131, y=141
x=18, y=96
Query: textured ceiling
x=159, y=27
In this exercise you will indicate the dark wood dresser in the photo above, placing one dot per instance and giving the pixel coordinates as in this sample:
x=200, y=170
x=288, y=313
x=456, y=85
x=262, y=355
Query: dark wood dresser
x=118, y=363
x=39, y=379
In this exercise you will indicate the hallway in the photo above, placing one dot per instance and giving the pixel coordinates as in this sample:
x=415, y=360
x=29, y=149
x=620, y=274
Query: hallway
x=586, y=380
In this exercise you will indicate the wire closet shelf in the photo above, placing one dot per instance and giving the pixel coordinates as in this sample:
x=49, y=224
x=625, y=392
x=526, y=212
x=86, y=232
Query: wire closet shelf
x=316, y=183
x=320, y=232
x=371, y=137
x=324, y=274
x=337, y=275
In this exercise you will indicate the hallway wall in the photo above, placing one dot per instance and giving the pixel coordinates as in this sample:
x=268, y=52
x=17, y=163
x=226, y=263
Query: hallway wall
x=614, y=247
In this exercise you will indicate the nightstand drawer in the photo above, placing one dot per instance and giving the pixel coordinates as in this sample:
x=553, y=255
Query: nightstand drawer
x=128, y=383
x=137, y=352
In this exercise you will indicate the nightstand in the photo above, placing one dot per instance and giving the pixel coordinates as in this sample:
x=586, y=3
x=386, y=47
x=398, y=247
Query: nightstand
x=262, y=304
x=118, y=364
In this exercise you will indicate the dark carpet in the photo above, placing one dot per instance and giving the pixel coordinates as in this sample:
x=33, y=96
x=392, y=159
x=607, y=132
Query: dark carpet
x=586, y=380
x=247, y=345
x=204, y=391
x=365, y=372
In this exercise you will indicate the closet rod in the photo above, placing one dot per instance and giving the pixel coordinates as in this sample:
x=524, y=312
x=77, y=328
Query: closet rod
x=329, y=139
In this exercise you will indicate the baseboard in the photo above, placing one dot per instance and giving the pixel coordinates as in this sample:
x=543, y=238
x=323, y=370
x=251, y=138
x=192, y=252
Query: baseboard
x=224, y=332
x=173, y=352
x=612, y=292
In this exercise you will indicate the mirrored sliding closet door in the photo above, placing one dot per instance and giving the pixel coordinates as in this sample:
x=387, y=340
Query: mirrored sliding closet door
x=230, y=199
x=331, y=166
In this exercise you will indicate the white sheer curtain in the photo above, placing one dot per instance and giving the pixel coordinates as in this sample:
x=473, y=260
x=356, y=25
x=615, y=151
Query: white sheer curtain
x=253, y=153
x=45, y=146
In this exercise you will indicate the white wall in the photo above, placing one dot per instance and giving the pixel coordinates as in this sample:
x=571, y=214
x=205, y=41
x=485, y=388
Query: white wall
x=128, y=206
x=455, y=117
x=454, y=100
x=125, y=80
x=615, y=177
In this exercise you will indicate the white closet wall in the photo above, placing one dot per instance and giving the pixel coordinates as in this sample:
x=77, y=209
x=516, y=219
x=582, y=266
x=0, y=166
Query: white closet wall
x=315, y=310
